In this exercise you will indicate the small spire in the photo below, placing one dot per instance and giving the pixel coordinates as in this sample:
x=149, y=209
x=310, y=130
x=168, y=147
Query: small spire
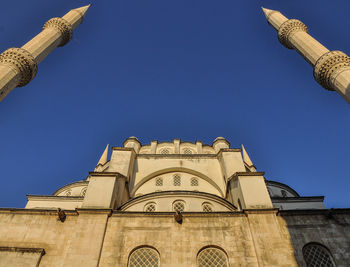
x=82, y=10
x=246, y=158
x=267, y=12
x=103, y=158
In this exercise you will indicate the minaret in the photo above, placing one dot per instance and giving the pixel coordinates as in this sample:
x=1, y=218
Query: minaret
x=331, y=68
x=18, y=66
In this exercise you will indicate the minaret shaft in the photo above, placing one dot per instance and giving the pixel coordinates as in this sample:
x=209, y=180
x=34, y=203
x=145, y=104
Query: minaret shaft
x=307, y=46
x=43, y=44
x=18, y=66
x=331, y=68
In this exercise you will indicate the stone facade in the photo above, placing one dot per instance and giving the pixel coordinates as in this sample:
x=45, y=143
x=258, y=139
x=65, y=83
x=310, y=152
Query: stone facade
x=173, y=204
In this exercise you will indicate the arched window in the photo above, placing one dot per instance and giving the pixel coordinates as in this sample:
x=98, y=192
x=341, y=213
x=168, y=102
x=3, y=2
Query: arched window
x=316, y=255
x=207, y=207
x=194, y=181
x=164, y=151
x=212, y=256
x=187, y=151
x=159, y=181
x=179, y=206
x=177, y=180
x=150, y=207
x=144, y=257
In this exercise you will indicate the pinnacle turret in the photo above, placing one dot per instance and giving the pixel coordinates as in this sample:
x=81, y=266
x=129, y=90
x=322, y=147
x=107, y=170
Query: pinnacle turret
x=18, y=66
x=247, y=160
x=104, y=157
x=331, y=68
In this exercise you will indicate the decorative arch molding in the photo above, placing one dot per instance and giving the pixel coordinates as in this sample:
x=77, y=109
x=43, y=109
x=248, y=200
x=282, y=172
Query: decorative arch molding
x=176, y=169
x=70, y=186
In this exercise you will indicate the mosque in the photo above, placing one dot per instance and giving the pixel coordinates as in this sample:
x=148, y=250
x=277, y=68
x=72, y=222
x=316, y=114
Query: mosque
x=173, y=203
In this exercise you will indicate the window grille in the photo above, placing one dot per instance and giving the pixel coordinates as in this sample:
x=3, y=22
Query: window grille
x=164, y=151
x=68, y=193
x=194, y=181
x=179, y=206
x=144, y=257
x=210, y=257
x=177, y=180
x=187, y=151
x=316, y=255
x=150, y=207
x=159, y=181
x=207, y=207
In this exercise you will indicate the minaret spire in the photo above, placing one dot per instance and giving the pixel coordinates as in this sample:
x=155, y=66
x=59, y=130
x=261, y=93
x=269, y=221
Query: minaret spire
x=331, y=68
x=18, y=66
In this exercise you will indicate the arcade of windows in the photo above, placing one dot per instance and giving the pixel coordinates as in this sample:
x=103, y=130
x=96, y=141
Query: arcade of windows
x=314, y=255
x=178, y=206
x=149, y=257
x=176, y=181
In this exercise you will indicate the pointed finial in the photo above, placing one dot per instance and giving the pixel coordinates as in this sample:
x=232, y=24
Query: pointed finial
x=82, y=10
x=103, y=158
x=246, y=158
x=267, y=11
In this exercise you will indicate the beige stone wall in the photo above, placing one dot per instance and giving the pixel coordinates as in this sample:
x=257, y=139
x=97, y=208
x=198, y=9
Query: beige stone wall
x=241, y=236
x=10, y=256
x=102, y=238
x=75, y=242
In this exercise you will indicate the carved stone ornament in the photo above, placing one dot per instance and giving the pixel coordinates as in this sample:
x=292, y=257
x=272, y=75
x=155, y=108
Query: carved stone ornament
x=23, y=61
x=328, y=65
x=61, y=25
x=287, y=28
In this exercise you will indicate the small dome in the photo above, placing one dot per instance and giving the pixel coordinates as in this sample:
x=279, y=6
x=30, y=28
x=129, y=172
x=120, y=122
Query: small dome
x=219, y=138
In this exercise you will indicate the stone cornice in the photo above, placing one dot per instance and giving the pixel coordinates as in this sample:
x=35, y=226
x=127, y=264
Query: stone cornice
x=260, y=211
x=182, y=156
x=118, y=213
x=123, y=148
x=228, y=150
x=94, y=211
x=41, y=251
x=35, y=211
x=313, y=212
x=56, y=198
x=297, y=199
x=236, y=174
x=107, y=174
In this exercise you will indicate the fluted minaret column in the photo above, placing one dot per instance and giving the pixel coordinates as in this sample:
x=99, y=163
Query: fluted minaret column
x=331, y=68
x=18, y=66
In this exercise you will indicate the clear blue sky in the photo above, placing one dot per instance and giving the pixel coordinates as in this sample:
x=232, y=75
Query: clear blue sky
x=184, y=69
